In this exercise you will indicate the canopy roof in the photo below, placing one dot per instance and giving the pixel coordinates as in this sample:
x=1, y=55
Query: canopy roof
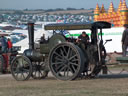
x=77, y=26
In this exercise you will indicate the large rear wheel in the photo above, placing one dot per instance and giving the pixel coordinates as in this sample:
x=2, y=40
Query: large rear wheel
x=66, y=61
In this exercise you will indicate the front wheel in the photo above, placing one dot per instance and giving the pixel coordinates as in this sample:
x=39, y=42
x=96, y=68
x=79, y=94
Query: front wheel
x=21, y=68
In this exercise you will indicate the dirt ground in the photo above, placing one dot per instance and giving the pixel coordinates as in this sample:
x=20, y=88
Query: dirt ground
x=103, y=85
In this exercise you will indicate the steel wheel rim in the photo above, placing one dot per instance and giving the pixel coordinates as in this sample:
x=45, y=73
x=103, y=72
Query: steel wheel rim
x=65, y=65
x=21, y=68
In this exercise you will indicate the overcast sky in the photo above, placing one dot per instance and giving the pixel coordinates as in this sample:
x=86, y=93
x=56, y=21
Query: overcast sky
x=52, y=4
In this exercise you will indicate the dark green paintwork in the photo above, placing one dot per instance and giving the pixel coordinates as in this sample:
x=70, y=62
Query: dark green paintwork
x=122, y=60
x=54, y=40
x=44, y=48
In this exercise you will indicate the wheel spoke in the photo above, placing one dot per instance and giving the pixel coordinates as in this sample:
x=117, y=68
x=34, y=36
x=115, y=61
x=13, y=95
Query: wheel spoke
x=14, y=67
x=41, y=64
x=58, y=67
x=61, y=70
x=22, y=62
x=67, y=71
x=39, y=74
x=64, y=50
x=72, y=57
x=74, y=69
x=23, y=75
x=57, y=63
x=16, y=71
x=71, y=70
x=19, y=63
x=74, y=60
x=59, y=59
x=25, y=70
x=73, y=64
x=71, y=53
x=57, y=54
x=68, y=52
x=61, y=51
x=17, y=75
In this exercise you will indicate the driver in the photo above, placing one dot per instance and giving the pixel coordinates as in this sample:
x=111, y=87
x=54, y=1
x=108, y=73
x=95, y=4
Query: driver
x=83, y=38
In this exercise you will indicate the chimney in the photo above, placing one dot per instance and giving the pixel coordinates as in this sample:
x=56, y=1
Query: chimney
x=31, y=35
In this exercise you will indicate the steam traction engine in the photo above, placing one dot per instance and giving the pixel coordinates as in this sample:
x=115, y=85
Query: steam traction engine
x=61, y=55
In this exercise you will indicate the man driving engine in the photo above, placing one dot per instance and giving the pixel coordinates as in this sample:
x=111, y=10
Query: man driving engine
x=83, y=38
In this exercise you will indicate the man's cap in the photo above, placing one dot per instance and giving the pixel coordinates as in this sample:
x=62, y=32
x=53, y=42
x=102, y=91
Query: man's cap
x=83, y=32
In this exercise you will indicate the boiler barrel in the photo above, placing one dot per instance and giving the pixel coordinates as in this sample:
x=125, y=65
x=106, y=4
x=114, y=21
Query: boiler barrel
x=33, y=55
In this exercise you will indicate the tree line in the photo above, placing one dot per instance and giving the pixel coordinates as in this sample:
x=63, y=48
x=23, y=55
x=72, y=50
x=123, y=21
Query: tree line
x=46, y=10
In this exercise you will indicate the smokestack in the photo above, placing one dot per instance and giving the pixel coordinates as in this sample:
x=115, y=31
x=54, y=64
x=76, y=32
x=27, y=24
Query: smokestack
x=31, y=35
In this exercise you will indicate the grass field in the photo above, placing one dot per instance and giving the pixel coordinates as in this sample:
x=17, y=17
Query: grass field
x=51, y=87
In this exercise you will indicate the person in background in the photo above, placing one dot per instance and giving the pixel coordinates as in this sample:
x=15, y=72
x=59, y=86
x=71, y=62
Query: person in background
x=9, y=45
x=3, y=44
x=125, y=40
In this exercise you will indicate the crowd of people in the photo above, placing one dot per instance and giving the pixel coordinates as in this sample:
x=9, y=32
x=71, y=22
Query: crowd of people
x=6, y=44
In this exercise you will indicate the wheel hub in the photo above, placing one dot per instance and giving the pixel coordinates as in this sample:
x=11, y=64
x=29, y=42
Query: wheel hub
x=21, y=69
x=66, y=61
x=38, y=67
